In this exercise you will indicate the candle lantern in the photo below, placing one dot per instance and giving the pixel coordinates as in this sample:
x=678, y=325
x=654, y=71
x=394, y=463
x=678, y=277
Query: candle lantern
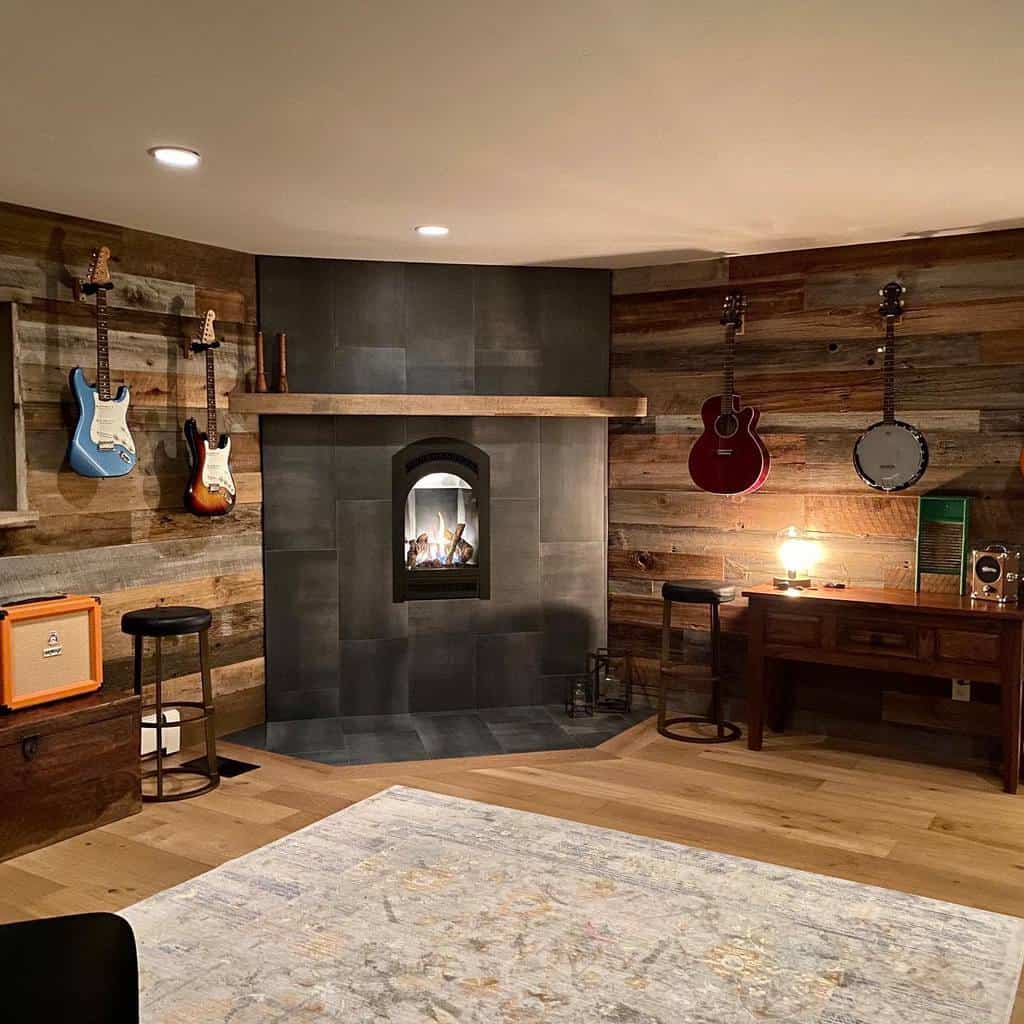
x=579, y=700
x=611, y=679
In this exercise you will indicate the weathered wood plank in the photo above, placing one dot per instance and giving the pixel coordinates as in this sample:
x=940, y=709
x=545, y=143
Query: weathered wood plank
x=962, y=281
x=1007, y=244
x=65, y=239
x=48, y=383
x=656, y=311
x=161, y=453
x=760, y=354
x=752, y=556
x=697, y=508
x=68, y=346
x=670, y=276
x=969, y=387
x=52, y=280
x=61, y=416
x=662, y=565
x=211, y=591
x=801, y=422
x=103, y=570
x=182, y=329
x=233, y=637
x=65, y=493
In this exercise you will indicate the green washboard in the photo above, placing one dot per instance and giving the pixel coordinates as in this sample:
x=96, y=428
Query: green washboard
x=943, y=524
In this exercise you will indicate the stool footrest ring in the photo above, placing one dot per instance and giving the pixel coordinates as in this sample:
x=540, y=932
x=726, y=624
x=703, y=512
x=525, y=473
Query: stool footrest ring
x=728, y=730
x=212, y=782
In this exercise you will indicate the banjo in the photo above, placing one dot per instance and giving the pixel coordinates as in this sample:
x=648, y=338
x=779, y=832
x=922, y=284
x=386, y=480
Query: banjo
x=890, y=455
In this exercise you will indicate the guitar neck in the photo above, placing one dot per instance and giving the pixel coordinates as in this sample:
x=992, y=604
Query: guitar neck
x=730, y=367
x=102, y=346
x=889, y=371
x=211, y=399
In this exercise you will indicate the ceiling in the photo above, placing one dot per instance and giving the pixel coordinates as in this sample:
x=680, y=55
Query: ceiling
x=600, y=132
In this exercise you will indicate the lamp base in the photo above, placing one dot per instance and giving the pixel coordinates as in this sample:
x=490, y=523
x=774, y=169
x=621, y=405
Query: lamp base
x=786, y=582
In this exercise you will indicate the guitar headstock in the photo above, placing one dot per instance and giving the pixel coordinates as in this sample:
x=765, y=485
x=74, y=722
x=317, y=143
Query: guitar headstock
x=734, y=309
x=891, y=306
x=206, y=337
x=98, y=274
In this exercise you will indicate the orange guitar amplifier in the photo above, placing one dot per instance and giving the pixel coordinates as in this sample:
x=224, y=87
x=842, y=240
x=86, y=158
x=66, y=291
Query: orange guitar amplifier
x=50, y=648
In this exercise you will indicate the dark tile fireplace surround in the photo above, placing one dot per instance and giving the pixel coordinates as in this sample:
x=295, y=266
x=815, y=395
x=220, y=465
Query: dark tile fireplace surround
x=339, y=645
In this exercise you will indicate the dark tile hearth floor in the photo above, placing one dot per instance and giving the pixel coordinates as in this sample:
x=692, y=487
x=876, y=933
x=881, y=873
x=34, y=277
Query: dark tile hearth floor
x=373, y=739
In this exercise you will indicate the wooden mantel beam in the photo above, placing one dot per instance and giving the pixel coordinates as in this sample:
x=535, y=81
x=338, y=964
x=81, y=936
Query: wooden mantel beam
x=439, y=405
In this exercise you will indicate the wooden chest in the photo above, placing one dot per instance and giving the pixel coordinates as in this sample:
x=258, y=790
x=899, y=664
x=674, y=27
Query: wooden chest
x=66, y=768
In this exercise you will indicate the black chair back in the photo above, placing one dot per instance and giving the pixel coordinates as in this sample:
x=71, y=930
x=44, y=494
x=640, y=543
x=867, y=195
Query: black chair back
x=81, y=969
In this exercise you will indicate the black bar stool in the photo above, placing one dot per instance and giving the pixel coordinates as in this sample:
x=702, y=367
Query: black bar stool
x=156, y=623
x=712, y=593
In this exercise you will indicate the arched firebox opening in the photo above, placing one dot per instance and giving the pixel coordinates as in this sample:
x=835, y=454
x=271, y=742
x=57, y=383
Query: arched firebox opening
x=441, y=521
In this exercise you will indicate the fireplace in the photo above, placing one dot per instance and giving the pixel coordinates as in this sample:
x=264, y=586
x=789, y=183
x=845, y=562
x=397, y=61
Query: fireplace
x=441, y=521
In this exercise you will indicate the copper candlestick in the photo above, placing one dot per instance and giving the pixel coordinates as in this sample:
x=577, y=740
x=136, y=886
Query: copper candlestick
x=261, y=377
x=282, y=363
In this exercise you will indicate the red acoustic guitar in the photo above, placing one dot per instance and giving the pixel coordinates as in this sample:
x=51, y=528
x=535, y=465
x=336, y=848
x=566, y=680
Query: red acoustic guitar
x=729, y=457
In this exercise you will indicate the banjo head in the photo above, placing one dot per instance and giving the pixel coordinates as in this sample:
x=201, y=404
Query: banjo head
x=890, y=456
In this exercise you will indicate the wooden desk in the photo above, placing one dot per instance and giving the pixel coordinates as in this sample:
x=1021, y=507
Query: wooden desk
x=941, y=635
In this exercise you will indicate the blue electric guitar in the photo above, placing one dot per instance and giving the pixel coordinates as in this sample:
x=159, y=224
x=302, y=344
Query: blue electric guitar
x=101, y=445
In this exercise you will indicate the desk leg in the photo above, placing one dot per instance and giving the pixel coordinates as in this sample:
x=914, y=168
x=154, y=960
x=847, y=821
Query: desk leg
x=757, y=672
x=1010, y=699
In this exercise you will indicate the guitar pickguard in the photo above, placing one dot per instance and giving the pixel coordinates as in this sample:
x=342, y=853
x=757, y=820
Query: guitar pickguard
x=216, y=475
x=109, y=425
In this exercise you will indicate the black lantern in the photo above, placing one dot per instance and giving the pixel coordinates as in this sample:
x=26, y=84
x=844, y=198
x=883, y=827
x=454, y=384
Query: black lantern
x=611, y=680
x=579, y=700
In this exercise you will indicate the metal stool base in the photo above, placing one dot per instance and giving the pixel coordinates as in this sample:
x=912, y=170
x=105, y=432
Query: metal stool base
x=212, y=782
x=203, y=714
x=727, y=732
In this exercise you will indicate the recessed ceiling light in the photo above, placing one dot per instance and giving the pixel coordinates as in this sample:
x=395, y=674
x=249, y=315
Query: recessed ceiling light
x=174, y=156
x=432, y=230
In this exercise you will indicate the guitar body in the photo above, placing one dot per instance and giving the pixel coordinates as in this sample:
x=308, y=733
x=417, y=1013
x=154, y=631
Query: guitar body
x=890, y=455
x=211, y=487
x=729, y=457
x=101, y=445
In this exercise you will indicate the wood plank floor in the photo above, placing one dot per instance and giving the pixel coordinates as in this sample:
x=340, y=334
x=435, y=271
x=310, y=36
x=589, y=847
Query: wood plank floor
x=804, y=801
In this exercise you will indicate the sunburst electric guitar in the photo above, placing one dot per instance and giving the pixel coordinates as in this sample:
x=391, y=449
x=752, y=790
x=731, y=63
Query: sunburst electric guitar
x=729, y=457
x=211, y=487
x=101, y=445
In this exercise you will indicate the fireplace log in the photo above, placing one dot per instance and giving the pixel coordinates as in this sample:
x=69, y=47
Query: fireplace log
x=453, y=539
x=418, y=547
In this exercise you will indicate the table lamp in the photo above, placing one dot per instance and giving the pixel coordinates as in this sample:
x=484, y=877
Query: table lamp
x=797, y=554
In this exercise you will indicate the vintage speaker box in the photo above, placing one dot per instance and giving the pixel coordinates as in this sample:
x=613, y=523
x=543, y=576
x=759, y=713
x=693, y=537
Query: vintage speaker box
x=995, y=574
x=50, y=648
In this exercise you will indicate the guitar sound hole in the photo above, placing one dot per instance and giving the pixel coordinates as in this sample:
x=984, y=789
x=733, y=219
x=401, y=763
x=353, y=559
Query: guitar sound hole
x=727, y=424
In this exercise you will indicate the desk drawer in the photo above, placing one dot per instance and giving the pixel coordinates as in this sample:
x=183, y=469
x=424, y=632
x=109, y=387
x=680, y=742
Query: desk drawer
x=876, y=636
x=792, y=629
x=959, y=645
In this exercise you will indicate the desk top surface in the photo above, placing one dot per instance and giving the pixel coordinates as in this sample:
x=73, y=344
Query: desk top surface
x=895, y=600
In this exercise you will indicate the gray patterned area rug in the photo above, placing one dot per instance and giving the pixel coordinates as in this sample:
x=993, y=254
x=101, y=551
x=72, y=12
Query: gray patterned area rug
x=414, y=907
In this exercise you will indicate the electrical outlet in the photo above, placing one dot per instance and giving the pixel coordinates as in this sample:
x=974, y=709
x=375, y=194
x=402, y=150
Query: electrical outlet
x=961, y=689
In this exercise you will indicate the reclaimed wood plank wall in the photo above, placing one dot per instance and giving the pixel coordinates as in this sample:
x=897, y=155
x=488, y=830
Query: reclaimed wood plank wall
x=809, y=361
x=128, y=540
